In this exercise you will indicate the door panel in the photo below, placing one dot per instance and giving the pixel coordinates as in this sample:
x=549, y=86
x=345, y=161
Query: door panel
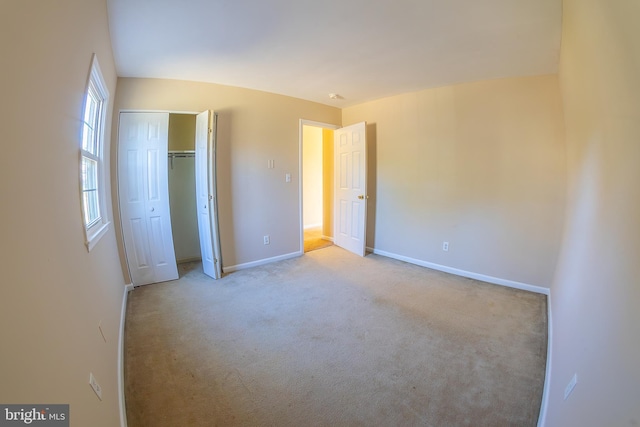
x=356, y=174
x=137, y=234
x=134, y=185
x=157, y=236
x=351, y=192
x=344, y=182
x=144, y=195
x=355, y=220
x=153, y=175
x=206, y=197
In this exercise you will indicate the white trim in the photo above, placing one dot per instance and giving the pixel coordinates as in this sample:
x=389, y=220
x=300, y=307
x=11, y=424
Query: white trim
x=329, y=238
x=547, y=376
x=123, y=312
x=308, y=226
x=305, y=122
x=232, y=268
x=130, y=110
x=100, y=231
x=464, y=273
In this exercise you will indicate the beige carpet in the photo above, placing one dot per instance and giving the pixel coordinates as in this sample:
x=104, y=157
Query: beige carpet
x=313, y=240
x=332, y=339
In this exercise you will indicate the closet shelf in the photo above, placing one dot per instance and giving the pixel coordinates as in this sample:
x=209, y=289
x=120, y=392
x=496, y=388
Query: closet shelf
x=183, y=153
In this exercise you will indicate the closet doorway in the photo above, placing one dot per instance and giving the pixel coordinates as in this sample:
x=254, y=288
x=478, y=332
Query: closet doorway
x=166, y=171
x=182, y=184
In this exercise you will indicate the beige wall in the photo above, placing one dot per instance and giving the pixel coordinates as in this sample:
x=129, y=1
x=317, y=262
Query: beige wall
x=596, y=292
x=54, y=293
x=182, y=203
x=312, y=197
x=480, y=165
x=253, y=127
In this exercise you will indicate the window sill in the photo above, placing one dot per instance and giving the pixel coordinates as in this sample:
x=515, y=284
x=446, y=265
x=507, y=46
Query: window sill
x=96, y=233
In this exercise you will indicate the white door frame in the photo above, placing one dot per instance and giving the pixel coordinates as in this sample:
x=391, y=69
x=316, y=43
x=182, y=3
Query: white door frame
x=304, y=122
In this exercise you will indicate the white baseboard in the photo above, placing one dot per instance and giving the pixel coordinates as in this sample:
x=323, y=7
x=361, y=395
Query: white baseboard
x=464, y=273
x=123, y=311
x=308, y=226
x=232, y=268
x=547, y=376
x=328, y=238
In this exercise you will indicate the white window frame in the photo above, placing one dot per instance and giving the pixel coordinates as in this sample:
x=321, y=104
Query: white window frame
x=99, y=226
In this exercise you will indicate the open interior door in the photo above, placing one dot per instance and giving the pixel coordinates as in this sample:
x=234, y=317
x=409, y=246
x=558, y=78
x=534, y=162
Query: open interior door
x=350, y=205
x=206, y=197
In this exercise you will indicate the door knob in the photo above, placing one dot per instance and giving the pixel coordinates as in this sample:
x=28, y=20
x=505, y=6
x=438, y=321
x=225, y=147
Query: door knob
x=153, y=209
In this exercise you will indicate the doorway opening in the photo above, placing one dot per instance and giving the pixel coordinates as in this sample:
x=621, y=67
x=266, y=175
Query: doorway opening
x=316, y=163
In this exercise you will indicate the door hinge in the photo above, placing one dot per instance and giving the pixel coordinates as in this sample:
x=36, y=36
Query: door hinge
x=210, y=197
x=210, y=130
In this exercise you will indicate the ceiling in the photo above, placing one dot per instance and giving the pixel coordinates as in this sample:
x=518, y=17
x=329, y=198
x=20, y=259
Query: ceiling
x=359, y=49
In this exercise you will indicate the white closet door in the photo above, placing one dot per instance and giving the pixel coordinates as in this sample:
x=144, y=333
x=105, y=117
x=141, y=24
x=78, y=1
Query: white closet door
x=144, y=197
x=206, y=194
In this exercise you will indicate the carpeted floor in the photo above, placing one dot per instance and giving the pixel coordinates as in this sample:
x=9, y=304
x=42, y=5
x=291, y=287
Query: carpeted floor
x=332, y=339
x=313, y=240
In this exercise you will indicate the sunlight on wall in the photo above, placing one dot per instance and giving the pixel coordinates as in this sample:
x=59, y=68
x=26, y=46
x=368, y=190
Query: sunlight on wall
x=312, y=170
x=479, y=165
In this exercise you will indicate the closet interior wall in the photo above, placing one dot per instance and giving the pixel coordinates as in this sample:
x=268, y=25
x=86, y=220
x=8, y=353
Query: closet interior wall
x=182, y=187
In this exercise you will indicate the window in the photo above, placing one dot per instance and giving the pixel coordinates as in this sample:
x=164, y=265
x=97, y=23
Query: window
x=94, y=216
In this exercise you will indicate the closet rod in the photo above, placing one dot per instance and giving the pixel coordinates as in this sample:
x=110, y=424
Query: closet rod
x=186, y=153
x=180, y=155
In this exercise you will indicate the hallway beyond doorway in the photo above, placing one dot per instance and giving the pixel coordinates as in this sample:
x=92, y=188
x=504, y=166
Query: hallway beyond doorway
x=313, y=239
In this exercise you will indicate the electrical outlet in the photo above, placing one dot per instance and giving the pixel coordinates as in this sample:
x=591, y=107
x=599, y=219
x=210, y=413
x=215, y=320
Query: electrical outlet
x=95, y=386
x=287, y=177
x=445, y=246
x=267, y=240
x=570, y=386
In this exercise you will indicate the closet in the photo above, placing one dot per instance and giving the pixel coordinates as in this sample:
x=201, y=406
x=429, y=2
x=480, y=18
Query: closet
x=182, y=186
x=167, y=193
